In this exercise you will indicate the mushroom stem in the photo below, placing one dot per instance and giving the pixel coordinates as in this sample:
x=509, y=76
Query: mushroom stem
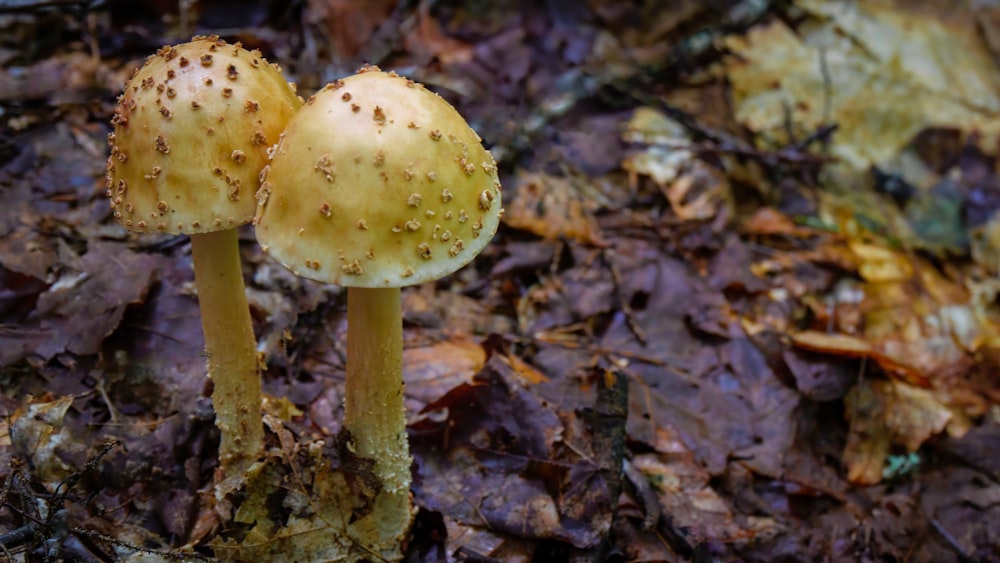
x=230, y=345
x=373, y=403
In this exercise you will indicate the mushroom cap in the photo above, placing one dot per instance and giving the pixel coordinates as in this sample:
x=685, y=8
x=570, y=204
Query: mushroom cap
x=191, y=134
x=377, y=182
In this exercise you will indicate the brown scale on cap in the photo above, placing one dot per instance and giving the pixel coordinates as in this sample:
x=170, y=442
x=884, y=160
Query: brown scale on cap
x=407, y=157
x=167, y=146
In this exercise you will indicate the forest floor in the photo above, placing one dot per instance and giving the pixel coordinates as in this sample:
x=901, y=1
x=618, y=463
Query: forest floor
x=742, y=305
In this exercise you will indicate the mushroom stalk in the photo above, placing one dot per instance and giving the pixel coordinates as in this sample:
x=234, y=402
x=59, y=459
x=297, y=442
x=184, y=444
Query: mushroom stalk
x=373, y=403
x=230, y=345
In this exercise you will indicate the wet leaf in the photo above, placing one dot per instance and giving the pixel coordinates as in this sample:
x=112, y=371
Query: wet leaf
x=41, y=433
x=83, y=307
x=350, y=25
x=26, y=252
x=682, y=487
x=432, y=371
x=499, y=472
x=884, y=413
x=852, y=57
x=551, y=207
x=695, y=190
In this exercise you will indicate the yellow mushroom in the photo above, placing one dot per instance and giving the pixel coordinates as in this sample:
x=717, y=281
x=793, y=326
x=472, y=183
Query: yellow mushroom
x=360, y=191
x=191, y=133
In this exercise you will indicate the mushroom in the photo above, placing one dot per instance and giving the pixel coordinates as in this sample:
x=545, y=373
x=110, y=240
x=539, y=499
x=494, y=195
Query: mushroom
x=191, y=133
x=378, y=183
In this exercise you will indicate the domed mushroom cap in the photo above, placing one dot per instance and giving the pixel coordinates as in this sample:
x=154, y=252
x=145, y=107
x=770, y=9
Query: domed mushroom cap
x=191, y=134
x=377, y=182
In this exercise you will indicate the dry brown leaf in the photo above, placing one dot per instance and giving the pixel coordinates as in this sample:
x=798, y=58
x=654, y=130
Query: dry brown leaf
x=684, y=492
x=768, y=221
x=832, y=343
x=880, y=264
x=884, y=412
x=350, y=24
x=915, y=323
x=879, y=70
x=431, y=371
x=427, y=40
x=552, y=208
x=39, y=432
x=528, y=373
x=695, y=190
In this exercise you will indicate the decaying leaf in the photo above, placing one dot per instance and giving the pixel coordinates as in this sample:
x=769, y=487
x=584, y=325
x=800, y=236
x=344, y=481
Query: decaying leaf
x=499, y=472
x=56, y=76
x=884, y=413
x=83, y=307
x=849, y=68
x=303, y=501
x=471, y=541
x=350, y=25
x=581, y=293
x=923, y=330
x=27, y=252
x=551, y=207
x=695, y=190
x=683, y=489
x=432, y=371
x=41, y=434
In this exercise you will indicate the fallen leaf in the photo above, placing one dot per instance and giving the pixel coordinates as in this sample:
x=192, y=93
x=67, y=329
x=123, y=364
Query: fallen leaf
x=883, y=413
x=28, y=252
x=881, y=72
x=499, y=472
x=832, y=343
x=432, y=371
x=769, y=222
x=528, y=373
x=695, y=190
x=82, y=308
x=551, y=207
x=684, y=492
x=428, y=41
x=705, y=392
x=349, y=25
x=55, y=76
x=39, y=431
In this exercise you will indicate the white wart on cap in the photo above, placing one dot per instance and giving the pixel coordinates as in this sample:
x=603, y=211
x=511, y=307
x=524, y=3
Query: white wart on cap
x=377, y=182
x=191, y=133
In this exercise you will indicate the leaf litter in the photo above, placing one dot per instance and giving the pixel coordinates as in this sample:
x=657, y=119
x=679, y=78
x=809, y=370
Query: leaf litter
x=742, y=305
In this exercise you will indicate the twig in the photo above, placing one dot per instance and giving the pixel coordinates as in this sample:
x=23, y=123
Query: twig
x=950, y=540
x=616, y=278
x=580, y=86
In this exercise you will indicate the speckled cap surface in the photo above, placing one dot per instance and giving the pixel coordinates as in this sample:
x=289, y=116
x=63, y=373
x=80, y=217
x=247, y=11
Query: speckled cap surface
x=191, y=133
x=377, y=182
